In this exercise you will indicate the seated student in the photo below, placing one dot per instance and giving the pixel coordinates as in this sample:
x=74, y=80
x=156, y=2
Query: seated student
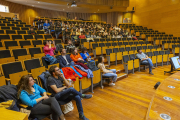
x=75, y=56
x=70, y=46
x=30, y=94
x=106, y=72
x=85, y=55
x=99, y=35
x=78, y=32
x=64, y=60
x=88, y=37
x=62, y=93
x=75, y=39
x=93, y=35
x=82, y=36
x=109, y=35
x=46, y=25
x=103, y=36
x=15, y=17
x=134, y=36
x=145, y=60
x=31, y=31
x=48, y=49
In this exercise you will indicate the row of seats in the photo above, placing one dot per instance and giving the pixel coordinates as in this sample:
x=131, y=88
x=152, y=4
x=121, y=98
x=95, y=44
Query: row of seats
x=20, y=54
x=14, y=28
x=13, y=71
x=120, y=51
x=12, y=22
x=9, y=44
x=15, y=24
x=131, y=63
x=18, y=31
x=9, y=19
x=25, y=37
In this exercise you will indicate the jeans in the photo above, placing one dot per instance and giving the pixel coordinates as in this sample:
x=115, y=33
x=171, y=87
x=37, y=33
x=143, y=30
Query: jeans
x=65, y=94
x=70, y=64
x=148, y=62
x=46, y=107
x=114, y=75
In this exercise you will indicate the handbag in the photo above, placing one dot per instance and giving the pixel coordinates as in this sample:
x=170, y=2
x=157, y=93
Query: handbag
x=67, y=107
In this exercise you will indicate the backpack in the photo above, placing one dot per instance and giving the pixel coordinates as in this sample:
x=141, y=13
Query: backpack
x=44, y=77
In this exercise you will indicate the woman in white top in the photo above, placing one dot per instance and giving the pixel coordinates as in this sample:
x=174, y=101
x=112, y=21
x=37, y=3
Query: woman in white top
x=106, y=72
x=93, y=35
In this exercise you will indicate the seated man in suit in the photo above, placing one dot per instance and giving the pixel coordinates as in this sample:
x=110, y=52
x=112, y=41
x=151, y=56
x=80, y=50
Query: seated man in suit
x=145, y=60
x=64, y=60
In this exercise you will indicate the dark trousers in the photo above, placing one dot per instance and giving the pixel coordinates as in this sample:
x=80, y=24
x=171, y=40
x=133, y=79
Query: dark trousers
x=46, y=107
x=69, y=93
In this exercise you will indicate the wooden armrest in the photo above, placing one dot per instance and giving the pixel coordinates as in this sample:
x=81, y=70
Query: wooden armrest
x=23, y=105
x=49, y=94
x=7, y=79
x=29, y=73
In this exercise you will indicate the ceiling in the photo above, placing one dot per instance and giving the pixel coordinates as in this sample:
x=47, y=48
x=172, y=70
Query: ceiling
x=83, y=6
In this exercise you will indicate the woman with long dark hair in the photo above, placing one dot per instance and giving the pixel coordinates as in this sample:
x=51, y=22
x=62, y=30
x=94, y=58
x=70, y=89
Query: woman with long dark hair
x=30, y=94
x=106, y=72
x=75, y=56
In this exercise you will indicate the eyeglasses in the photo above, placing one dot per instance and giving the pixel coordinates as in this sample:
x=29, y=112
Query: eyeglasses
x=57, y=69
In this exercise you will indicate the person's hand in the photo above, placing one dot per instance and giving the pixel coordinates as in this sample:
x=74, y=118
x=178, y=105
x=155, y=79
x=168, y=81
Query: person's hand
x=61, y=75
x=54, y=43
x=45, y=97
x=111, y=72
x=50, y=42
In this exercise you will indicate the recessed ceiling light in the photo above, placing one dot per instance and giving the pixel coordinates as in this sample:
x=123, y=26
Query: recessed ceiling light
x=68, y=6
x=38, y=2
x=94, y=12
x=63, y=9
x=98, y=9
x=33, y=5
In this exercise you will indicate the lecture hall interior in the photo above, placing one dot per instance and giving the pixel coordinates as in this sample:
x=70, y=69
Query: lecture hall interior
x=89, y=59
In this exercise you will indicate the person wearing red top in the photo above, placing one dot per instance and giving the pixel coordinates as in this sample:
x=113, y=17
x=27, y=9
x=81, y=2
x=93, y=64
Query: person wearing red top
x=48, y=49
x=82, y=36
x=75, y=56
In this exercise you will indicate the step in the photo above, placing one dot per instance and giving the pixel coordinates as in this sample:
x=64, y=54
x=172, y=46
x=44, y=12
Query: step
x=121, y=76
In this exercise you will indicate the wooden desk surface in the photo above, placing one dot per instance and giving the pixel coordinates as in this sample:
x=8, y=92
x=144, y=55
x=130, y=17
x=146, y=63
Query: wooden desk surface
x=12, y=115
x=159, y=105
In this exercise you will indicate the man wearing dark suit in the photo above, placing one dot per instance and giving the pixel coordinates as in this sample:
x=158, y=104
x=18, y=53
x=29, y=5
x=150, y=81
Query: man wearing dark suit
x=64, y=60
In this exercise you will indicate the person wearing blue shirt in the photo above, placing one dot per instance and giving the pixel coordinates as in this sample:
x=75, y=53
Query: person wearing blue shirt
x=46, y=25
x=85, y=55
x=30, y=94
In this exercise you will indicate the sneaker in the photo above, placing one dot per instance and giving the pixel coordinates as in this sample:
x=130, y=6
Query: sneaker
x=87, y=96
x=153, y=67
x=111, y=84
x=151, y=73
x=83, y=118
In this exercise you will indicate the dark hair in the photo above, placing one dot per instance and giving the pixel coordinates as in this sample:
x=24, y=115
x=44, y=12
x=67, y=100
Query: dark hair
x=52, y=69
x=31, y=27
x=100, y=59
x=61, y=49
x=83, y=49
x=138, y=50
x=73, y=51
